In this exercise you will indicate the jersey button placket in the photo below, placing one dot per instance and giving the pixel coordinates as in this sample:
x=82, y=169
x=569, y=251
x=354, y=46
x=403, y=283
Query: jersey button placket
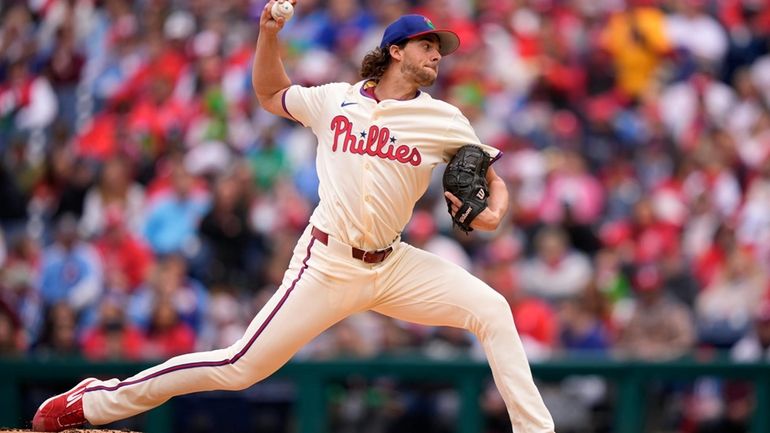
x=369, y=177
x=368, y=199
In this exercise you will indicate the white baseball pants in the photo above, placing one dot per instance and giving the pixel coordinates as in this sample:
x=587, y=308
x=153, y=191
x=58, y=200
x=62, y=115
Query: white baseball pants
x=323, y=285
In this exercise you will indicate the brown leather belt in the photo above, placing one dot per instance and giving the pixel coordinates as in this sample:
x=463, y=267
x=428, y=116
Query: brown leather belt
x=365, y=256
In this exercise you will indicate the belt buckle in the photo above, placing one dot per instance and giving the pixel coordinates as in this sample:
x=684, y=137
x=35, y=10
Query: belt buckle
x=369, y=257
x=376, y=256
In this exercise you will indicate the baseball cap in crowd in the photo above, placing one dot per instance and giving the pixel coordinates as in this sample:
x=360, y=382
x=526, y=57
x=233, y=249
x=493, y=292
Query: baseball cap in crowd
x=412, y=26
x=647, y=278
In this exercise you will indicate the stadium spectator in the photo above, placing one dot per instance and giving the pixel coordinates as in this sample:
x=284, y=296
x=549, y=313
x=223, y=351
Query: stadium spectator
x=12, y=337
x=225, y=319
x=731, y=402
x=357, y=336
x=64, y=69
x=169, y=281
x=71, y=270
x=268, y=160
x=724, y=308
x=112, y=336
x=678, y=278
x=611, y=277
x=753, y=226
x=228, y=236
x=571, y=189
x=117, y=192
x=124, y=255
x=583, y=327
x=174, y=214
x=346, y=23
x=61, y=187
x=638, y=42
x=660, y=328
x=400, y=337
x=535, y=319
x=167, y=335
x=13, y=213
x=688, y=108
x=17, y=35
x=698, y=233
x=711, y=261
x=27, y=104
x=19, y=283
x=556, y=273
x=755, y=345
x=59, y=336
x=651, y=237
x=422, y=233
x=691, y=28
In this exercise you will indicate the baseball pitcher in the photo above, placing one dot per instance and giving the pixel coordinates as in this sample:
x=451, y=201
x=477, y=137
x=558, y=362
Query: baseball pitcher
x=378, y=142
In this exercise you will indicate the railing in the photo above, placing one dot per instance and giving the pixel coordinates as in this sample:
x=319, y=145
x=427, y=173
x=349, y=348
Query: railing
x=468, y=377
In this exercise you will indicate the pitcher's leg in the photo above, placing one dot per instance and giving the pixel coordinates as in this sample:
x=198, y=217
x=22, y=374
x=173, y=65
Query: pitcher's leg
x=429, y=290
x=292, y=317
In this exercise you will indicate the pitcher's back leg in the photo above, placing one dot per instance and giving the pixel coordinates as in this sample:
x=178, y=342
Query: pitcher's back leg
x=295, y=314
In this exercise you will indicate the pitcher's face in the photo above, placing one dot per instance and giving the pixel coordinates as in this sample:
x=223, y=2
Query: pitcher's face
x=420, y=60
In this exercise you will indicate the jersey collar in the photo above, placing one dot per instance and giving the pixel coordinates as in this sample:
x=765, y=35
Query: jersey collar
x=367, y=89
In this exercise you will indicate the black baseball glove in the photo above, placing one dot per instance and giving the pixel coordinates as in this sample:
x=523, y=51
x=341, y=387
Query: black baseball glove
x=466, y=178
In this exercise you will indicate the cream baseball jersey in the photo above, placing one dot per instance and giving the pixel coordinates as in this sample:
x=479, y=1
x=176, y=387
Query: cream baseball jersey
x=375, y=159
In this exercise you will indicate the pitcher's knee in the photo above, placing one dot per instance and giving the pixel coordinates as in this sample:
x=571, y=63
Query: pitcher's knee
x=244, y=373
x=493, y=312
x=496, y=306
x=238, y=380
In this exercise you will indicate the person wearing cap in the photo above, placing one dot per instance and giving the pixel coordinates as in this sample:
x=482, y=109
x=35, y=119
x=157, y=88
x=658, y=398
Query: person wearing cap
x=755, y=345
x=659, y=327
x=379, y=141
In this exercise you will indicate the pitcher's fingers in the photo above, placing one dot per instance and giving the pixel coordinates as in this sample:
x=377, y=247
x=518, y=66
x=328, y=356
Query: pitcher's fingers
x=455, y=201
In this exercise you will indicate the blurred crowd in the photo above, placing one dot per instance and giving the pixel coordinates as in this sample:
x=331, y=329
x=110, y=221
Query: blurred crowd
x=149, y=206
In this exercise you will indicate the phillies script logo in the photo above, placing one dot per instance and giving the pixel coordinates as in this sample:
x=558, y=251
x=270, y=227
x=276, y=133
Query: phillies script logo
x=376, y=142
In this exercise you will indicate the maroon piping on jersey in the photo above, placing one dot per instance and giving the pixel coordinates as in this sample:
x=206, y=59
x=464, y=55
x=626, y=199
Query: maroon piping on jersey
x=223, y=362
x=498, y=156
x=286, y=109
x=369, y=92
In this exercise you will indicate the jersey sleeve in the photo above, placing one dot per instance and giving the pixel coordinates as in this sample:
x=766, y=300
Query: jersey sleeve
x=307, y=104
x=460, y=133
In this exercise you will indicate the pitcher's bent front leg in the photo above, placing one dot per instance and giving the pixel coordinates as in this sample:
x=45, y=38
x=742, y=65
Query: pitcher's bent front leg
x=429, y=290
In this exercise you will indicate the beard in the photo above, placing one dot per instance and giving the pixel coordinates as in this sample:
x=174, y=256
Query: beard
x=418, y=74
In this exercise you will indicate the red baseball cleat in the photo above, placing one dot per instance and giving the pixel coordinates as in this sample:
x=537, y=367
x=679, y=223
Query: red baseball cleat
x=62, y=411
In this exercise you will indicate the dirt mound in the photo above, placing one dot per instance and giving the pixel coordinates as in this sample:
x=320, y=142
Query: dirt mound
x=79, y=430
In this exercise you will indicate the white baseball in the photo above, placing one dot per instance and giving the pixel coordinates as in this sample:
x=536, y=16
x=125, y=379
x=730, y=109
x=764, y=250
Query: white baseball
x=282, y=10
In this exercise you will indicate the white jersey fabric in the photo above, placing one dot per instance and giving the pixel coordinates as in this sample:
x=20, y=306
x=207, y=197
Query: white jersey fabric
x=375, y=159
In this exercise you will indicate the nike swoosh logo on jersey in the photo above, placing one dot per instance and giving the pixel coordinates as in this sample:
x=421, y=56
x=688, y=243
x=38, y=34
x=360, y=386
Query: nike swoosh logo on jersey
x=345, y=104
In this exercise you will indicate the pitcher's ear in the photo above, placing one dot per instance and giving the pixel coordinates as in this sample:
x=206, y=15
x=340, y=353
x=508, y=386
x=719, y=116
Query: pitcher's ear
x=395, y=52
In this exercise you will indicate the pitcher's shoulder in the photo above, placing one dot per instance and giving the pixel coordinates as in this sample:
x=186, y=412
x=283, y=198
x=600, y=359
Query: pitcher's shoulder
x=438, y=105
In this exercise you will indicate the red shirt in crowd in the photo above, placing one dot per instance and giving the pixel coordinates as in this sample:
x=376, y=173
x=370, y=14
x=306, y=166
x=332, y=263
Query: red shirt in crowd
x=535, y=318
x=176, y=340
x=127, y=255
x=99, y=343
